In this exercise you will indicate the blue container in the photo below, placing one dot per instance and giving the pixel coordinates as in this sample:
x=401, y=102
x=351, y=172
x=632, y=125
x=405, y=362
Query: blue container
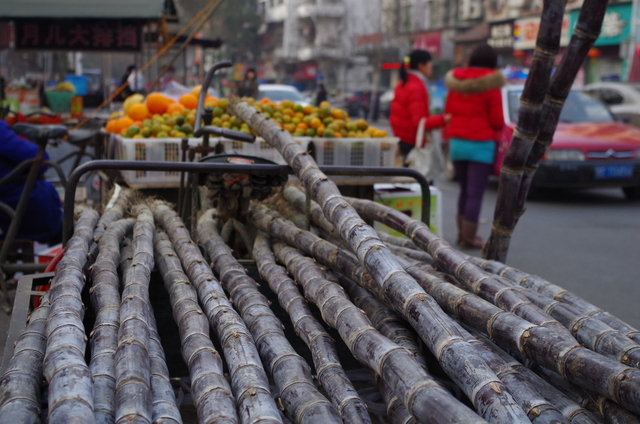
x=79, y=82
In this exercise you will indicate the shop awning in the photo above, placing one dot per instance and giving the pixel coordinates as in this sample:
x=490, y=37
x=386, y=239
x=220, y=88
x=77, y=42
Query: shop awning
x=104, y=9
x=477, y=33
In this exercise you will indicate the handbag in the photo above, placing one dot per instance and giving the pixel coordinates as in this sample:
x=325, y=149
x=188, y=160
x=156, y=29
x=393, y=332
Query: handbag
x=427, y=157
x=502, y=145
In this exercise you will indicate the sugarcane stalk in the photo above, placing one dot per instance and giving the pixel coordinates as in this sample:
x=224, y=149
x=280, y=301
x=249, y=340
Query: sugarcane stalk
x=577, y=364
x=227, y=230
x=396, y=411
x=164, y=407
x=585, y=34
x=391, y=282
x=133, y=398
x=520, y=165
x=113, y=212
x=536, y=408
x=65, y=368
x=325, y=357
x=553, y=291
x=569, y=408
x=439, y=332
x=387, y=322
x=292, y=376
x=388, y=239
x=299, y=200
x=417, y=255
x=211, y=392
x=598, y=405
x=248, y=378
x=483, y=284
x=420, y=393
x=105, y=297
x=20, y=385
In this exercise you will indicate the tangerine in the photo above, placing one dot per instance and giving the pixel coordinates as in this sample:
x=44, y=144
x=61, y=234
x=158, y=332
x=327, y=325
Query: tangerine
x=157, y=103
x=315, y=123
x=189, y=101
x=111, y=124
x=138, y=112
x=175, y=107
x=123, y=124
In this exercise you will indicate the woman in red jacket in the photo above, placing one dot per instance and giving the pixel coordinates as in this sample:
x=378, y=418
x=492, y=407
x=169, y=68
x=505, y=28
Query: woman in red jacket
x=411, y=102
x=475, y=104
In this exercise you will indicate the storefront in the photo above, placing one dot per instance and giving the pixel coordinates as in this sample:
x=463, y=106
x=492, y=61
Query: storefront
x=467, y=40
x=501, y=39
x=608, y=58
x=525, y=33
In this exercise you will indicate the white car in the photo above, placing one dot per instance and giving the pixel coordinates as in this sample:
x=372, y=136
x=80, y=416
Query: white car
x=280, y=92
x=623, y=99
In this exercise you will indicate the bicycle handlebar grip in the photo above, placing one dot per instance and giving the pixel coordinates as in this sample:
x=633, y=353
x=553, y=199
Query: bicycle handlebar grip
x=223, y=132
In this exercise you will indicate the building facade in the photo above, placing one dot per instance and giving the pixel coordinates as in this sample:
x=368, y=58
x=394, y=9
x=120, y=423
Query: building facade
x=354, y=45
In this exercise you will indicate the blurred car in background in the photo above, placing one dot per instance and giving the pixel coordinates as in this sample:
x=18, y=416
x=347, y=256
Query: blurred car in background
x=622, y=98
x=590, y=147
x=280, y=92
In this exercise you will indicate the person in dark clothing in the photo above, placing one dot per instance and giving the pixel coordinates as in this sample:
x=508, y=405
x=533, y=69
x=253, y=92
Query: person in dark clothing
x=321, y=96
x=475, y=104
x=42, y=220
x=249, y=86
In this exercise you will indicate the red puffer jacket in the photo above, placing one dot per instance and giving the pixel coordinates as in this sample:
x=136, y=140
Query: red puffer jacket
x=475, y=103
x=410, y=104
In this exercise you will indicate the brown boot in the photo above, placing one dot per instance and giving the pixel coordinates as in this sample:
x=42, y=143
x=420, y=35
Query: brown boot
x=459, y=219
x=468, y=237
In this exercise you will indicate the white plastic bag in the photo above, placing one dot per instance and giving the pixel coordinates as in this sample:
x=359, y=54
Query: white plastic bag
x=427, y=157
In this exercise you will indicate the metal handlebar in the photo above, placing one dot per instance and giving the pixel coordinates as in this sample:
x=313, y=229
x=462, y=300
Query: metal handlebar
x=205, y=88
x=223, y=132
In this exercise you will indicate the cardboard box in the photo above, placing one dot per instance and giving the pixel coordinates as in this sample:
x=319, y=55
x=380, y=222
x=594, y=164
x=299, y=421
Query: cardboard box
x=407, y=198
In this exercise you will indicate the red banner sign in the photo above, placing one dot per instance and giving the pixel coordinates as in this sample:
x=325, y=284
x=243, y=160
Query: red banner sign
x=78, y=34
x=429, y=41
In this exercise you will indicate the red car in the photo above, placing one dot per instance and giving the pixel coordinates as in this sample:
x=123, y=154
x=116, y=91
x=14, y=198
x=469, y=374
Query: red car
x=590, y=147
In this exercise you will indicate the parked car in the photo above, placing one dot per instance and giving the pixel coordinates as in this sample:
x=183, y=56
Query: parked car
x=280, y=92
x=622, y=98
x=590, y=147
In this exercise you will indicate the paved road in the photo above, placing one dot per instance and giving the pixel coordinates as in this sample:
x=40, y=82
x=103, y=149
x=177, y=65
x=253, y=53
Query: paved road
x=585, y=241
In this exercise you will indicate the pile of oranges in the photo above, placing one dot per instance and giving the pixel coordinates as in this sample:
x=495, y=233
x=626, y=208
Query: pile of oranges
x=157, y=116
x=321, y=121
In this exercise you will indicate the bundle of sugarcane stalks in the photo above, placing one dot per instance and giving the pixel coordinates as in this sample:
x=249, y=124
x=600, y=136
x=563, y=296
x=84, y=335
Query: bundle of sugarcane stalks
x=298, y=311
x=259, y=319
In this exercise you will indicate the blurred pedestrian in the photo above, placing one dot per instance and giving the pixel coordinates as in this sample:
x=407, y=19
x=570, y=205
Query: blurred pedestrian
x=136, y=81
x=411, y=103
x=125, y=79
x=475, y=104
x=248, y=87
x=321, y=96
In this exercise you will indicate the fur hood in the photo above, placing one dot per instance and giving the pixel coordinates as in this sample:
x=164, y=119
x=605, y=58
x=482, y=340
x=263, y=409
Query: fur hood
x=473, y=80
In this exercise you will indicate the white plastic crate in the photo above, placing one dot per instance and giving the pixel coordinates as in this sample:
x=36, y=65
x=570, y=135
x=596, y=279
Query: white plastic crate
x=354, y=151
x=152, y=150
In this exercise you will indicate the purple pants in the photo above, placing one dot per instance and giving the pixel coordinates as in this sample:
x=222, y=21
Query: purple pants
x=473, y=178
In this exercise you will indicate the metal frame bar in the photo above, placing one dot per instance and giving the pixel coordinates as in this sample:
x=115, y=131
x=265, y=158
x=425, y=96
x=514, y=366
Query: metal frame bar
x=208, y=167
x=24, y=293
